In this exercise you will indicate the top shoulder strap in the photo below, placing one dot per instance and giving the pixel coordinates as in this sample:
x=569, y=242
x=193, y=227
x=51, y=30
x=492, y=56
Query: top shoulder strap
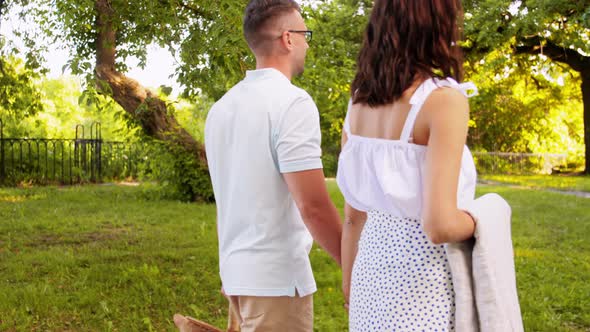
x=421, y=94
x=346, y=125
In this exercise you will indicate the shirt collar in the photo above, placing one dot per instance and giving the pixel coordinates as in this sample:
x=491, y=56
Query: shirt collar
x=265, y=73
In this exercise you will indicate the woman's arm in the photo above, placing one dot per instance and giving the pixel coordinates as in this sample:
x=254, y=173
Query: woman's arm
x=354, y=220
x=447, y=115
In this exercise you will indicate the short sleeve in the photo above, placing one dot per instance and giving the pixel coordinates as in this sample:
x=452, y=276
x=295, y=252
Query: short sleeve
x=298, y=138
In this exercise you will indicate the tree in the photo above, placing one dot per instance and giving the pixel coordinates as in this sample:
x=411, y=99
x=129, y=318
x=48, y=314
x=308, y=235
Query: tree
x=338, y=28
x=19, y=93
x=207, y=39
x=533, y=31
x=522, y=110
x=206, y=36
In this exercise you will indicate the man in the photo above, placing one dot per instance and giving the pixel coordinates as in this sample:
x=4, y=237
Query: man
x=262, y=140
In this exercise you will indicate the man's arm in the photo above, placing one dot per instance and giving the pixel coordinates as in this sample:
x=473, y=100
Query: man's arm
x=308, y=189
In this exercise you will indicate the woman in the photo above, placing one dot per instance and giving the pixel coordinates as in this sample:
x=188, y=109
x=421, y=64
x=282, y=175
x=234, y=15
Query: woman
x=404, y=169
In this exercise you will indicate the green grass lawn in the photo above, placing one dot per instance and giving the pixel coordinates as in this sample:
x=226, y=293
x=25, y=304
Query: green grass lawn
x=559, y=182
x=109, y=258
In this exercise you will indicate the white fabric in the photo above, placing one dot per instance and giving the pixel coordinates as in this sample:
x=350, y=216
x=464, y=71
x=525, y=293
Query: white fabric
x=400, y=280
x=484, y=278
x=460, y=261
x=262, y=127
x=386, y=175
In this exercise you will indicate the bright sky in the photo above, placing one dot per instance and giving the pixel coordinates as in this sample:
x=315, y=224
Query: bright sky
x=160, y=63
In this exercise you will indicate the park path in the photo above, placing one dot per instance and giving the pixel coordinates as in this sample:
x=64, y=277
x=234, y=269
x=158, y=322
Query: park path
x=582, y=194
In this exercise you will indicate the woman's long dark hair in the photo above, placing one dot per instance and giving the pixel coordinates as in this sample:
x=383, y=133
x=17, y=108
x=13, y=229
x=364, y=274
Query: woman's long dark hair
x=407, y=40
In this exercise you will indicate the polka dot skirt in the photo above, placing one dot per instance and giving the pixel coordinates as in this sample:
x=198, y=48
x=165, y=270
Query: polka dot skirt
x=400, y=280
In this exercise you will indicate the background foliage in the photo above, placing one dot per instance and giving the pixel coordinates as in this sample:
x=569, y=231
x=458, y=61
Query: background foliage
x=527, y=103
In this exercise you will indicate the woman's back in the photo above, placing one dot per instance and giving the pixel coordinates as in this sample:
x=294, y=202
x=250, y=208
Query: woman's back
x=382, y=163
x=384, y=121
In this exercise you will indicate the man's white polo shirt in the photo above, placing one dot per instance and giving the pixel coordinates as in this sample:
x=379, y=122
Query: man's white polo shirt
x=263, y=127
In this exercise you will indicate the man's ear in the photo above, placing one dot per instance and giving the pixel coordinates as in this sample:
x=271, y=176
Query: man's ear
x=286, y=40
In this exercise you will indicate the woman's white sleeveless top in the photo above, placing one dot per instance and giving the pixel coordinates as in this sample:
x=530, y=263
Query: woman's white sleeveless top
x=387, y=175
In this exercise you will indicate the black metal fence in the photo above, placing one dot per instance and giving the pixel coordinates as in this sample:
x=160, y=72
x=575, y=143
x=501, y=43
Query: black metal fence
x=66, y=161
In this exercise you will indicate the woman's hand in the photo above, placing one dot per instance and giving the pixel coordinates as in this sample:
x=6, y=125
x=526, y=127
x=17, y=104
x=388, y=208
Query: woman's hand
x=346, y=291
x=351, y=233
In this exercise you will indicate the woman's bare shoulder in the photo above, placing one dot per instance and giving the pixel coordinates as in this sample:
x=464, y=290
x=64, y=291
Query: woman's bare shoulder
x=446, y=102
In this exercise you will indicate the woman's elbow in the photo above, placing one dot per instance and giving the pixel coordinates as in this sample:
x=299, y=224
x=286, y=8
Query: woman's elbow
x=436, y=237
x=435, y=230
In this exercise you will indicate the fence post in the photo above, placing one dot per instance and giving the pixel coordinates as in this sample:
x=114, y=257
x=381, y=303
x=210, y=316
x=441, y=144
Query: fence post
x=96, y=140
x=2, y=167
x=99, y=152
x=92, y=147
x=78, y=127
x=80, y=152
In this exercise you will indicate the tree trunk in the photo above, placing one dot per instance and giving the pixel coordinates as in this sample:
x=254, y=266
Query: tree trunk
x=577, y=62
x=144, y=106
x=586, y=99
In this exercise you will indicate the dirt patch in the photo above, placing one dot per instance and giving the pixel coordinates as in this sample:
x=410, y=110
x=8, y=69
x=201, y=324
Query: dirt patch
x=122, y=183
x=20, y=198
x=77, y=239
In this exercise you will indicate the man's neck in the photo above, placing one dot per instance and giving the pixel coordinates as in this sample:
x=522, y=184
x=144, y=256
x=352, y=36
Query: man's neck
x=264, y=63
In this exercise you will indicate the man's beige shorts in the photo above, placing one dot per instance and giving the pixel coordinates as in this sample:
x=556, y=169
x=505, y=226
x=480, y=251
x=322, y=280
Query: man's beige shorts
x=271, y=314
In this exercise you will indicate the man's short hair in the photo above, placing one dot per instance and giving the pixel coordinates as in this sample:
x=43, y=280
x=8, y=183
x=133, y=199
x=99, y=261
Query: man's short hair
x=260, y=15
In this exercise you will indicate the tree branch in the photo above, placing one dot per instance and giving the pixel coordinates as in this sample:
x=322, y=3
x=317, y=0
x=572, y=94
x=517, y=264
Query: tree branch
x=475, y=49
x=197, y=11
x=537, y=45
x=144, y=106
